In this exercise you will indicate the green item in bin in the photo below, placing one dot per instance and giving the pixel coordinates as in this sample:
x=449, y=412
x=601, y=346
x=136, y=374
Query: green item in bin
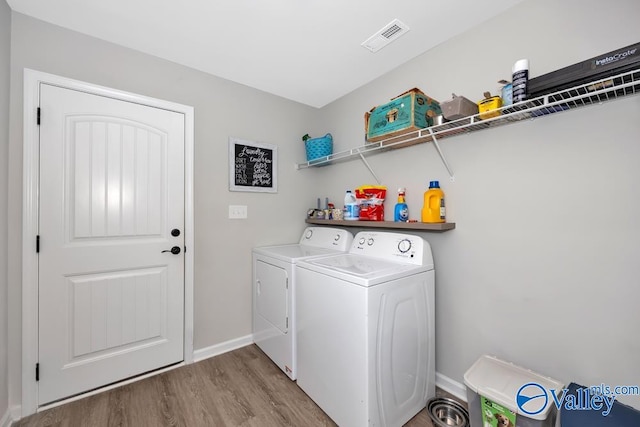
x=495, y=415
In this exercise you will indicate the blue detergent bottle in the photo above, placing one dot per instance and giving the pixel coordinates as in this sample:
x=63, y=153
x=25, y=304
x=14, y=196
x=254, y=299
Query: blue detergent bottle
x=401, y=211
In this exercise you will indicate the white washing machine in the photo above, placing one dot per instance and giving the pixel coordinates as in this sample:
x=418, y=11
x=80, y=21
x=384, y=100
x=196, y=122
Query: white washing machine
x=366, y=344
x=274, y=288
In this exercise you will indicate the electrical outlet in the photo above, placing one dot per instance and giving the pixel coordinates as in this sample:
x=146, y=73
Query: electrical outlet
x=237, y=212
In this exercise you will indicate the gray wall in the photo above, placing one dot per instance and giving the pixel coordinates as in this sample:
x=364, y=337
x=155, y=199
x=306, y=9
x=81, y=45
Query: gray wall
x=542, y=268
x=5, y=42
x=222, y=109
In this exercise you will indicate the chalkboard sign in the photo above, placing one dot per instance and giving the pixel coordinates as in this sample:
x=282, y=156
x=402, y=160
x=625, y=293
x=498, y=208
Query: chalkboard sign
x=253, y=166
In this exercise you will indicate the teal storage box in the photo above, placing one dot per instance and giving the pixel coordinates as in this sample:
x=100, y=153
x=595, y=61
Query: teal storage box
x=410, y=111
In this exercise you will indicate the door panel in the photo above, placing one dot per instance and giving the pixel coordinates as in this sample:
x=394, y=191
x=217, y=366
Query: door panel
x=116, y=177
x=114, y=312
x=111, y=189
x=271, y=295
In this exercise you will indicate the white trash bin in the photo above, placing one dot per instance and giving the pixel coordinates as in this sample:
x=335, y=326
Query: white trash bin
x=499, y=393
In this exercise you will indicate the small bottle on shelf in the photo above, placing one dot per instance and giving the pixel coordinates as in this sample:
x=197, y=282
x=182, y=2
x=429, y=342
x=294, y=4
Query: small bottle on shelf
x=351, y=207
x=401, y=211
x=520, y=80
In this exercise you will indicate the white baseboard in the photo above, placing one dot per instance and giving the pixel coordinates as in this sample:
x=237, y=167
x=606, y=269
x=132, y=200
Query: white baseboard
x=12, y=415
x=451, y=386
x=214, y=350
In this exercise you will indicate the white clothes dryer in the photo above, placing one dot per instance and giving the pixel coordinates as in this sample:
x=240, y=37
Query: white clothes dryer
x=274, y=287
x=366, y=337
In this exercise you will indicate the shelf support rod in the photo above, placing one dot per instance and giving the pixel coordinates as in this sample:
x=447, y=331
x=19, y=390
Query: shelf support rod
x=369, y=167
x=444, y=160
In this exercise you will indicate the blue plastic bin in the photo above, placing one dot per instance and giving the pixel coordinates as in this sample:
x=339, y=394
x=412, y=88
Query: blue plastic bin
x=319, y=147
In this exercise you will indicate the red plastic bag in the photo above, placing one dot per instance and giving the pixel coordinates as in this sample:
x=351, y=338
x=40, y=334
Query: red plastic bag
x=371, y=200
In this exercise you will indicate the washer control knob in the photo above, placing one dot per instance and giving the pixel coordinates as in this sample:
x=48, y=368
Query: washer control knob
x=361, y=241
x=404, y=245
x=370, y=241
x=337, y=237
x=308, y=234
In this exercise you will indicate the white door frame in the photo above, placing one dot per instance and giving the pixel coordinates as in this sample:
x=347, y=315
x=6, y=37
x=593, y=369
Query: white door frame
x=30, y=208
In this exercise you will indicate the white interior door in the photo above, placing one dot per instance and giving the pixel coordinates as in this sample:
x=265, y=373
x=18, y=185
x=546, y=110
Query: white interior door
x=111, y=298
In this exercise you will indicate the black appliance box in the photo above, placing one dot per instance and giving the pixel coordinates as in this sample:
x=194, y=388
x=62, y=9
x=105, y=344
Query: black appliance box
x=600, y=67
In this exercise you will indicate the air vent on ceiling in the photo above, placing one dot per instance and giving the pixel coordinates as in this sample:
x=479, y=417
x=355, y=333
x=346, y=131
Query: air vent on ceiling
x=390, y=32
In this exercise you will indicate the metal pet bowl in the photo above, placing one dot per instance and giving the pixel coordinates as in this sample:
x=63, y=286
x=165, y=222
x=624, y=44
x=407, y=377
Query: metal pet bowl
x=446, y=412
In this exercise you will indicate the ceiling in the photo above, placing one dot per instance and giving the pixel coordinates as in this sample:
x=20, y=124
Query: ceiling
x=307, y=51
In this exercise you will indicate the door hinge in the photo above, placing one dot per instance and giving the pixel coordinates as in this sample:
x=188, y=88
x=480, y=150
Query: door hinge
x=38, y=117
x=38, y=243
x=37, y=372
x=286, y=283
x=287, y=323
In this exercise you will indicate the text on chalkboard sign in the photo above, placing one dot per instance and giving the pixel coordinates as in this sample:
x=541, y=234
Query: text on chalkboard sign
x=253, y=166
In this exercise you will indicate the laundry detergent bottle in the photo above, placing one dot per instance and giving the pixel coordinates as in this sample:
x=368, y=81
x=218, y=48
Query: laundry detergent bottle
x=401, y=211
x=433, y=210
x=351, y=207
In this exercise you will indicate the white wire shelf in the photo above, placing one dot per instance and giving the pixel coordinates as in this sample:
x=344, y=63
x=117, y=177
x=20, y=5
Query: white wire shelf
x=595, y=92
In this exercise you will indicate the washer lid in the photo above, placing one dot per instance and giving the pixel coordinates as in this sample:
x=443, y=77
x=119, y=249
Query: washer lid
x=292, y=253
x=361, y=270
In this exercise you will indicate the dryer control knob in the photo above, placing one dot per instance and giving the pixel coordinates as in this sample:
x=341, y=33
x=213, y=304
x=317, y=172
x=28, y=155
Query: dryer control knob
x=361, y=241
x=308, y=234
x=404, y=245
x=370, y=241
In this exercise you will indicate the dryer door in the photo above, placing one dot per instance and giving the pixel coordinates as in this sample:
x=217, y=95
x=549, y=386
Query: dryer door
x=271, y=294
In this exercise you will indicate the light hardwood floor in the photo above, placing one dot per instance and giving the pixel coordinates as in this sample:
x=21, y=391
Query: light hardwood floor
x=239, y=388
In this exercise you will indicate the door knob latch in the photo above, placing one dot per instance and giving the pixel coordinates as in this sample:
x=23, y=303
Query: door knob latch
x=174, y=250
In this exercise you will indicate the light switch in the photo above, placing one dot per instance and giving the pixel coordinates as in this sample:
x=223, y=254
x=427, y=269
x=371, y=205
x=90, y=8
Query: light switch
x=237, y=211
